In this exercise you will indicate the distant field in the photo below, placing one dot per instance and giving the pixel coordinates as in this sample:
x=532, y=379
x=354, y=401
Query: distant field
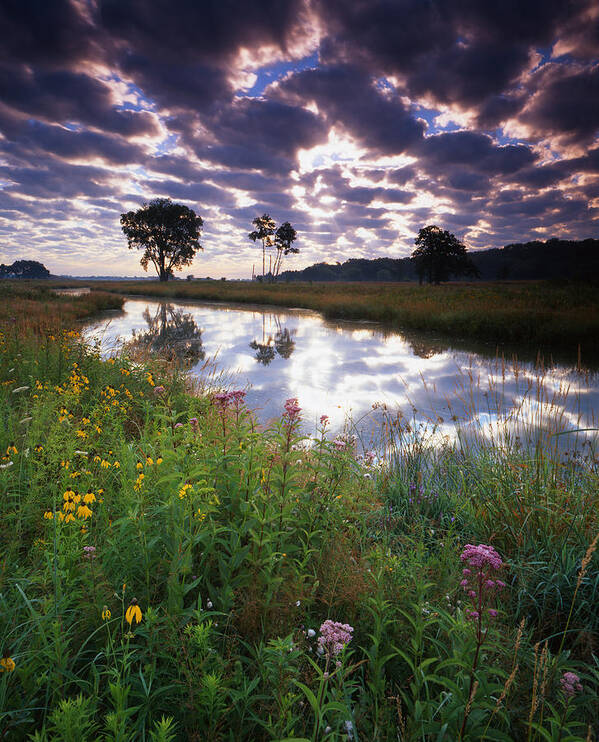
x=536, y=313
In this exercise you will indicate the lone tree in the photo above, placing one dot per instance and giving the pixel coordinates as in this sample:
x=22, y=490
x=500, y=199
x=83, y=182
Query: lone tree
x=285, y=236
x=168, y=233
x=440, y=255
x=265, y=228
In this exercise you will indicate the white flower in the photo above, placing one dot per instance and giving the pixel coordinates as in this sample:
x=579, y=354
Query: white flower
x=5, y=466
x=311, y=633
x=298, y=603
x=328, y=730
x=209, y=604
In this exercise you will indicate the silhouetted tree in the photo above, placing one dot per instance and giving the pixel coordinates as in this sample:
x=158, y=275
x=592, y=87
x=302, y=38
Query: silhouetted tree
x=24, y=269
x=440, y=255
x=284, y=343
x=285, y=236
x=265, y=228
x=168, y=233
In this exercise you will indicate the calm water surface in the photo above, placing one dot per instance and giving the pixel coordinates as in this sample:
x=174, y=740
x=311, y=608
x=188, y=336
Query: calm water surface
x=344, y=369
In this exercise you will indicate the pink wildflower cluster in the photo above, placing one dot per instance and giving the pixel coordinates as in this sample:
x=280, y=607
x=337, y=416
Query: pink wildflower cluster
x=340, y=443
x=324, y=420
x=223, y=399
x=292, y=411
x=479, y=580
x=333, y=637
x=571, y=684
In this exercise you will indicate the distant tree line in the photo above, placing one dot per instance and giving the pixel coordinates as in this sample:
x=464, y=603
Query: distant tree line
x=24, y=269
x=553, y=259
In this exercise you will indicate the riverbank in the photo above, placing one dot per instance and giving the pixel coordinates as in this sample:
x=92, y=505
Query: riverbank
x=170, y=572
x=540, y=314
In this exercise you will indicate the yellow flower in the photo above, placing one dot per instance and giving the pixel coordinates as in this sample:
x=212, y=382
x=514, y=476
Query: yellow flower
x=133, y=613
x=89, y=498
x=81, y=434
x=69, y=494
x=149, y=461
x=84, y=512
x=106, y=614
x=69, y=518
x=159, y=460
x=98, y=429
x=38, y=448
x=105, y=464
x=185, y=490
x=69, y=505
x=11, y=449
x=77, y=499
x=117, y=465
x=139, y=482
x=7, y=664
x=139, y=465
x=85, y=420
x=48, y=515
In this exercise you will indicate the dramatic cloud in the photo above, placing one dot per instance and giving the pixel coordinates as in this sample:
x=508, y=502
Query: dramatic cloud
x=359, y=121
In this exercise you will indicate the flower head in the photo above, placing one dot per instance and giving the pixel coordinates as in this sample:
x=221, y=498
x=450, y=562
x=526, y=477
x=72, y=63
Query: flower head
x=334, y=636
x=133, y=613
x=106, y=614
x=7, y=664
x=571, y=684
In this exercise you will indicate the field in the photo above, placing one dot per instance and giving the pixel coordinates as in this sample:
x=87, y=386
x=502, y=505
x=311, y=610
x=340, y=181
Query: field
x=171, y=571
x=542, y=314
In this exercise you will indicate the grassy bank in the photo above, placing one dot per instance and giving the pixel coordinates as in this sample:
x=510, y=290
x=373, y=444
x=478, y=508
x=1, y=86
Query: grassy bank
x=540, y=314
x=169, y=571
x=30, y=307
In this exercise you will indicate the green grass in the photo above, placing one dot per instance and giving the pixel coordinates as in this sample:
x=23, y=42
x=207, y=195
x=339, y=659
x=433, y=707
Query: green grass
x=234, y=573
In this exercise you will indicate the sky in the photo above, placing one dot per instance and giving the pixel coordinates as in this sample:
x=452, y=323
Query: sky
x=358, y=121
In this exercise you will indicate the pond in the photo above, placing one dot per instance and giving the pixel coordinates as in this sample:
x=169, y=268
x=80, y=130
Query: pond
x=356, y=373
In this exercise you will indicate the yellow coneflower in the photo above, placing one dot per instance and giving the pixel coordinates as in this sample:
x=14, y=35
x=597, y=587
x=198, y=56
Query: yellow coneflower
x=159, y=460
x=98, y=429
x=89, y=498
x=11, y=449
x=139, y=466
x=69, y=505
x=105, y=464
x=97, y=459
x=38, y=448
x=48, y=515
x=7, y=664
x=81, y=434
x=133, y=613
x=106, y=614
x=77, y=498
x=69, y=518
x=139, y=482
x=149, y=460
x=84, y=512
x=117, y=465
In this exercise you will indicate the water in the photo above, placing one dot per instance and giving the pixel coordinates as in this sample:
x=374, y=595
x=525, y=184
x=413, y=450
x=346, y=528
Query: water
x=356, y=371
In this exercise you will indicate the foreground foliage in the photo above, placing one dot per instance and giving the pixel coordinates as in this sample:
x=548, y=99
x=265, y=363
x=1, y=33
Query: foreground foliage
x=171, y=571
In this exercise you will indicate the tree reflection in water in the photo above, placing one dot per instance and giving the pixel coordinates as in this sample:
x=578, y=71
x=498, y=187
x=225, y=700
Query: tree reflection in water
x=171, y=334
x=267, y=348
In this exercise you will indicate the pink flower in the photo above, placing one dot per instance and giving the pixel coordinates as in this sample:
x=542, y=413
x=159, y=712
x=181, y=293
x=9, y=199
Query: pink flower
x=334, y=636
x=479, y=581
x=493, y=613
x=291, y=415
x=339, y=443
x=158, y=390
x=324, y=419
x=571, y=684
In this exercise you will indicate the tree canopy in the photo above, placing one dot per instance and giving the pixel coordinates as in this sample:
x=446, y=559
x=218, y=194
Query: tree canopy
x=265, y=228
x=282, y=239
x=167, y=232
x=440, y=255
x=24, y=269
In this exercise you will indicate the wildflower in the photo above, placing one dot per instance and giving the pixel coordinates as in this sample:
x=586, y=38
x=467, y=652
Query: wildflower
x=334, y=636
x=149, y=461
x=38, y=448
x=84, y=512
x=7, y=664
x=159, y=461
x=11, y=449
x=158, y=390
x=292, y=411
x=339, y=443
x=69, y=518
x=133, y=613
x=311, y=633
x=479, y=581
x=571, y=684
x=89, y=498
x=209, y=604
x=139, y=466
x=193, y=421
x=324, y=419
x=89, y=552
x=106, y=614
x=48, y=515
x=185, y=489
x=7, y=465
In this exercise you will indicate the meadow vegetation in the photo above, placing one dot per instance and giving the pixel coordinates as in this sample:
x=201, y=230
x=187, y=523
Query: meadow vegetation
x=170, y=570
x=544, y=314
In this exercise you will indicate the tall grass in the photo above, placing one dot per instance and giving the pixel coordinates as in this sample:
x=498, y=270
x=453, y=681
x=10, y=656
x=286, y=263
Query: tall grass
x=238, y=543
x=545, y=315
